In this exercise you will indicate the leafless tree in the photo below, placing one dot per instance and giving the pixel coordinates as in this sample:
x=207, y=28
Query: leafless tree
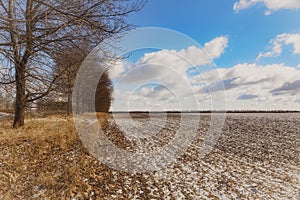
x=68, y=62
x=32, y=31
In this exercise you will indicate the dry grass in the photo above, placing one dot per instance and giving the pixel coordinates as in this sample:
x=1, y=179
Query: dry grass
x=27, y=155
x=46, y=159
x=40, y=130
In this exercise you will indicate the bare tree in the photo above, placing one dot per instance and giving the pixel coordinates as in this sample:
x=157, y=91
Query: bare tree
x=32, y=31
x=68, y=62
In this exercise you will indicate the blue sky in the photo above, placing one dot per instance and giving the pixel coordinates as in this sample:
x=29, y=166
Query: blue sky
x=255, y=45
x=249, y=31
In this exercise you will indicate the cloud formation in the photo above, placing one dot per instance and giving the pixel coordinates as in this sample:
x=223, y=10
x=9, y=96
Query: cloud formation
x=271, y=5
x=167, y=67
x=278, y=43
x=251, y=86
x=216, y=47
x=288, y=87
x=266, y=77
x=247, y=86
x=160, y=65
x=192, y=55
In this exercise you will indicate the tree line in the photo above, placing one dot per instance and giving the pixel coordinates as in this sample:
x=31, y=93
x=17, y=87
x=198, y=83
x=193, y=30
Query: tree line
x=42, y=44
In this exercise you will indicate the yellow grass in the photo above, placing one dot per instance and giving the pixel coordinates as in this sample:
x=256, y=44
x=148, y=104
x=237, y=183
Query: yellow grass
x=49, y=152
x=41, y=130
x=56, y=129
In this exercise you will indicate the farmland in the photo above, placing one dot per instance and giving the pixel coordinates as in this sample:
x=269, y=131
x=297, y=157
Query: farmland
x=255, y=157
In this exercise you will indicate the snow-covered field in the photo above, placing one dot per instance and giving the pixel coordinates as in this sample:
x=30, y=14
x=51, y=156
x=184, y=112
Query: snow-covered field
x=255, y=157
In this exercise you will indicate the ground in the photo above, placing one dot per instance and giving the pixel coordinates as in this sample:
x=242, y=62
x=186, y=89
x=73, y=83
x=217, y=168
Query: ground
x=256, y=157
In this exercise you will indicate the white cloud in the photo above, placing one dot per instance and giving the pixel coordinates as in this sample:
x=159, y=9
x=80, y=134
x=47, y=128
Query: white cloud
x=160, y=65
x=248, y=86
x=168, y=67
x=192, y=55
x=259, y=78
x=290, y=87
x=278, y=43
x=266, y=77
x=118, y=68
x=271, y=5
x=251, y=86
x=216, y=47
x=243, y=4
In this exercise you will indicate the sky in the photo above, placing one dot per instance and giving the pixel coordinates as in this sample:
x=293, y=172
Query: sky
x=249, y=52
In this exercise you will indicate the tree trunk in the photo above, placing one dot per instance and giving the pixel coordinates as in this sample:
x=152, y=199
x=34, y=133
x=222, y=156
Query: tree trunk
x=20, y=97
x=19, y=116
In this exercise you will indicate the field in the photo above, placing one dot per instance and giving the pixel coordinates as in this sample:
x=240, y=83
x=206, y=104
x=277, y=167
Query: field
x=255, y=157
